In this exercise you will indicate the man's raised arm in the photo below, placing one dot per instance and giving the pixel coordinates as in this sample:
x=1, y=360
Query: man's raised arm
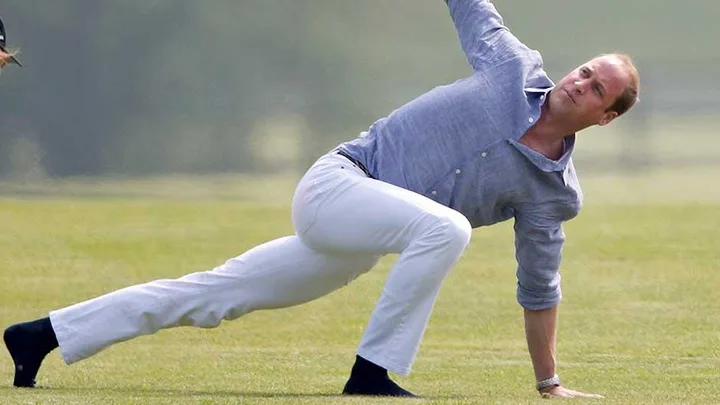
x=480, y=29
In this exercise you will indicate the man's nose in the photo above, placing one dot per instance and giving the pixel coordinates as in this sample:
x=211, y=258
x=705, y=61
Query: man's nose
x=580, y=86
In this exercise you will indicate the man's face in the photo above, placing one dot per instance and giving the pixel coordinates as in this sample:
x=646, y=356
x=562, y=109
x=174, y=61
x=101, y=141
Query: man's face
x=584, y=96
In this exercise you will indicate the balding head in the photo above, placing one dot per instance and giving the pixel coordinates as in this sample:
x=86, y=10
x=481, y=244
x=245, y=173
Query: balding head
x=630, y=96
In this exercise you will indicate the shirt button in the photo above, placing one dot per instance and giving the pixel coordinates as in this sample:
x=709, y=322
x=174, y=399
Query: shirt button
x=483, y=154
x=530, y=120
x=434, y=192
x=457, y=171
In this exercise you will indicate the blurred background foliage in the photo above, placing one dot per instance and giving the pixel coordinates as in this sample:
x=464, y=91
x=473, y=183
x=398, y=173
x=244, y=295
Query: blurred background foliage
x=138, y=87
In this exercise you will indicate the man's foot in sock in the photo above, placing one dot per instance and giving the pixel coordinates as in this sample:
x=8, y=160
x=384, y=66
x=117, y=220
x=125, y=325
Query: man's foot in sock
x=367, y=378
x=28, y=344
x=381, y=387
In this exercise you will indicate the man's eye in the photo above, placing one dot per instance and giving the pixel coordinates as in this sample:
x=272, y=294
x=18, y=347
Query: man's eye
x=597, y=90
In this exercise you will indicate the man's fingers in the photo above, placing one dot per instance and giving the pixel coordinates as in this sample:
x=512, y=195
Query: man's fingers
x=584, y=395
x=562, y=392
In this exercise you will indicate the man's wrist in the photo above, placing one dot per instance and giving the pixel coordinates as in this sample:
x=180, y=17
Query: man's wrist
x=553, y=381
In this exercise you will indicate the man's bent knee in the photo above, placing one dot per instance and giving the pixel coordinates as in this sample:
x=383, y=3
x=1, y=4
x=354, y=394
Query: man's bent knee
x=454, y=230
x=462, y=230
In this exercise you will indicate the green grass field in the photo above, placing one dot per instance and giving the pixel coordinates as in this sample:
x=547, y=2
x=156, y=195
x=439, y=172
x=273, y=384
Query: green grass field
x=640, y=320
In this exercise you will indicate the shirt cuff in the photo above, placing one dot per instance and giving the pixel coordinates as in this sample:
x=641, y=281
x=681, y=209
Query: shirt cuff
x=537, y=301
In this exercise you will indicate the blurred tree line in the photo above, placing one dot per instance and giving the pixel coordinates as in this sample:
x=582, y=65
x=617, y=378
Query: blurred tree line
x=157, y=86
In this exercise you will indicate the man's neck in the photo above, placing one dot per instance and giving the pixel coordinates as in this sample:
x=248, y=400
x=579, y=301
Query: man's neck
x=547, y=136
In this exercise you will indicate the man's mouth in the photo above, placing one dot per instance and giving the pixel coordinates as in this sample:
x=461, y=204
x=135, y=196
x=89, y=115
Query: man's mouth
x=571, y=97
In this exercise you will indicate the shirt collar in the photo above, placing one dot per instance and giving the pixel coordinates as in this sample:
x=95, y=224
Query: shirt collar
x=541, y=161
x=545, y=90
x=535, y=157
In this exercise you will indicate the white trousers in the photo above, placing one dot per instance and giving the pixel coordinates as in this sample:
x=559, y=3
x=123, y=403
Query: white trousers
x=344, y=223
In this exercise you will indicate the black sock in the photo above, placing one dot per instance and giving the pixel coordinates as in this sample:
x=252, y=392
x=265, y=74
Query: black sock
x=367, y=378
x=46, y=334
x=367, y=370
x=28, y=344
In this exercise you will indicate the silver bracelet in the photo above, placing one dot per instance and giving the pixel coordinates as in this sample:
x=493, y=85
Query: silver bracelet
x=553, y=381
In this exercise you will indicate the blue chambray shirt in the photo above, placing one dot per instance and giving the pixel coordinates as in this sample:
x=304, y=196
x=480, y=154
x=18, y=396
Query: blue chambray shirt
x=458, y=145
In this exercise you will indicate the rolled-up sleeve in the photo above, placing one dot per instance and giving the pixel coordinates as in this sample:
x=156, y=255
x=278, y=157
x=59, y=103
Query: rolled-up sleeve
x=539, y=240
x=480, y=29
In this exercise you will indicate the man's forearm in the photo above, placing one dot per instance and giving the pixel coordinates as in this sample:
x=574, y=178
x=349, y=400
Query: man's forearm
x=541, y=333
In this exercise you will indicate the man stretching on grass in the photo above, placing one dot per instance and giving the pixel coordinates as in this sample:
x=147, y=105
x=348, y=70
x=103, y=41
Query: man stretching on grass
x=487, y=148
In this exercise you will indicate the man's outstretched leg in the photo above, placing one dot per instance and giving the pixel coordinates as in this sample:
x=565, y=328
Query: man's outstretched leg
x=277, y=274
x=344, y=222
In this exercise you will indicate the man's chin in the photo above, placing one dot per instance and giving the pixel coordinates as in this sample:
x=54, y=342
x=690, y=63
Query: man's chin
x=559, y=107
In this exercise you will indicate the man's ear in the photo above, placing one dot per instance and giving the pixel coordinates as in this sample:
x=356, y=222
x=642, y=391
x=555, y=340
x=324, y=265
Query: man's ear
x=607, y=118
